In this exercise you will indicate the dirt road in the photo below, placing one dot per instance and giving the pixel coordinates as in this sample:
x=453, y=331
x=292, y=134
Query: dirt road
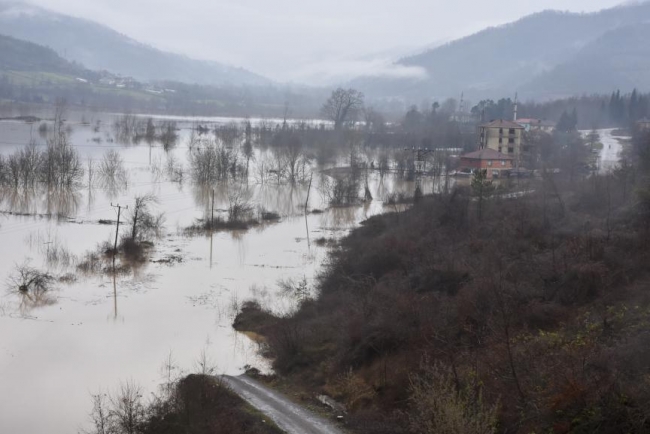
x=288, y=416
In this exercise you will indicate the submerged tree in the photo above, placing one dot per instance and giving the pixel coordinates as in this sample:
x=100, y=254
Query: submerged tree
x=239, y=204
x=343, y=106
x=143, y=222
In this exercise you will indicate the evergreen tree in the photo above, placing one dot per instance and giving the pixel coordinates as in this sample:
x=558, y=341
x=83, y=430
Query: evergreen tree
x=568, y=122
x=573, y=119
x=633, y=109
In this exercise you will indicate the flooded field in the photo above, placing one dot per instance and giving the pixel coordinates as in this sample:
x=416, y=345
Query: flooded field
x=94, y=329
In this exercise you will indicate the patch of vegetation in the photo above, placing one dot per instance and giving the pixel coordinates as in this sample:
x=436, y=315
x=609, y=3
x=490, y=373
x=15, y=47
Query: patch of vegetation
x=196, y=404
x=251, y=317
x=472, y=312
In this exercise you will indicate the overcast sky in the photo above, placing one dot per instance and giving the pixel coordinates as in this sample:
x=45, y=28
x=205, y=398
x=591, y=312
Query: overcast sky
x=306, y=40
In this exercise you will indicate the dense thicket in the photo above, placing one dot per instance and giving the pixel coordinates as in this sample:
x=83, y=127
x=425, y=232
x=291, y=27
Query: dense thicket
x=528, y=315
x=591, y=111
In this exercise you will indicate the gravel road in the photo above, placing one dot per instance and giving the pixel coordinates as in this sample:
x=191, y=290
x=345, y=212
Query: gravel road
x=287, y=415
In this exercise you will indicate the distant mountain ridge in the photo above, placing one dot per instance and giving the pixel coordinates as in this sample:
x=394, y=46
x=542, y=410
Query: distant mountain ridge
x=17, y=55
x=536, y=55
x=98, y=47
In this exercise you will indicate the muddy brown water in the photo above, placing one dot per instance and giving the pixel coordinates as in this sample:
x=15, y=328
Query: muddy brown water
x=95, y=332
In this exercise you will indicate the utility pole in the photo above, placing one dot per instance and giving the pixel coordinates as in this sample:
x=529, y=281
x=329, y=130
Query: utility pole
x=117, y=229
x=212, y=218
x=212, y=229
x=308, y=191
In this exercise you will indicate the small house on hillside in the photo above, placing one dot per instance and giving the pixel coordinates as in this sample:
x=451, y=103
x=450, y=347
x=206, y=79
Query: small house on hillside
x=488, y=159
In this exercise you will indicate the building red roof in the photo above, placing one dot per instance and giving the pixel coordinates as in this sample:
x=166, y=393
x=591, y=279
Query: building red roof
x=500, y=123
x=486, y=154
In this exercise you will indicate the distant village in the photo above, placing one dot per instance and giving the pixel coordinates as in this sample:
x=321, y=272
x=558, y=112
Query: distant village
x=108, y=79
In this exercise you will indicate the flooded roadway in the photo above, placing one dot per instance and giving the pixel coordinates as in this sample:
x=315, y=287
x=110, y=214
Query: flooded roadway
x=610, y=154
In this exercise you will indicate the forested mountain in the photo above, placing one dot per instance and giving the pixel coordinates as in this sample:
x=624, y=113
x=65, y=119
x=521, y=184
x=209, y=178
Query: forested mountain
x=100, y=48
x=17, y=55
x=546, y=54
x=618, y=59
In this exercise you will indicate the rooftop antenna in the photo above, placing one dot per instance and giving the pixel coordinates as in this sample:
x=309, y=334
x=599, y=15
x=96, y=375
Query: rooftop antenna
x=462, y=103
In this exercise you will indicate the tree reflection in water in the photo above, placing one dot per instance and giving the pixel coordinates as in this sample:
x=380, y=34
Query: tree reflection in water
x=42, y=201
x=32, y=287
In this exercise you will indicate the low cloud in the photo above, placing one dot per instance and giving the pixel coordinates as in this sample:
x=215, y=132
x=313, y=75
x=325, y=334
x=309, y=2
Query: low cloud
x=330, y=71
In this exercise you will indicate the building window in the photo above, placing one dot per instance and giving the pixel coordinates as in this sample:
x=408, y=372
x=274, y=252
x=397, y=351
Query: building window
x=500, y=130
x=511, y=150
x=511, y=140
x=512, y=131
x=500, y=149
x=500, y=140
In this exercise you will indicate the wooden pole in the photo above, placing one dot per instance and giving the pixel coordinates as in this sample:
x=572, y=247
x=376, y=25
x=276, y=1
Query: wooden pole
x=117, y=229
x=212, y=219
x=308, y=191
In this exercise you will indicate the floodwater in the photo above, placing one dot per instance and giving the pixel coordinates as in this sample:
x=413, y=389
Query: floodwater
x=610, y=154
x=90, y=334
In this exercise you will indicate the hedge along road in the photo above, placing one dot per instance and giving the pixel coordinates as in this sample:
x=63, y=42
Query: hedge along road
x=287, y=415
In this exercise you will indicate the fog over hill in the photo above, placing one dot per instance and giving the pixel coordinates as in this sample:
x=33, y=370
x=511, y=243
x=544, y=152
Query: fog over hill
x=542, y=55
x=98, y=47
x=17, y=55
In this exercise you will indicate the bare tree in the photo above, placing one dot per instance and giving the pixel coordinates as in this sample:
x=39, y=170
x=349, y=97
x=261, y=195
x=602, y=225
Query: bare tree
x=91, y=172
x=248, y=144
x=4, y=171
x=175, y=170
x=32, y=285
x=143, y=222
x=112, y=173
x=62, y=167
x=26, y=279
x=339, y=191
x=60, y=112
x=100, y=415
x=205, y=365
x=288, y=152
x=228, y=134
x=150, y=132
x=127, y=410
x=168, y=135
x=374, y=121
x=343, y=106
x=239, y=204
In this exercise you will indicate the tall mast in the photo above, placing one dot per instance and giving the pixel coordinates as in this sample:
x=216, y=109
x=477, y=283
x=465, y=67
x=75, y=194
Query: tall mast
x=516, y=106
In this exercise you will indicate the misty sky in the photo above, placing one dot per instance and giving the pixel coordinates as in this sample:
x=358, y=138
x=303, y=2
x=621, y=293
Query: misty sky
x=306, y=40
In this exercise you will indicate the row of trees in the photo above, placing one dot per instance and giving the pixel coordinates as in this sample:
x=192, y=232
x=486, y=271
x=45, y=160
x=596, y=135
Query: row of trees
x=56, y=166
